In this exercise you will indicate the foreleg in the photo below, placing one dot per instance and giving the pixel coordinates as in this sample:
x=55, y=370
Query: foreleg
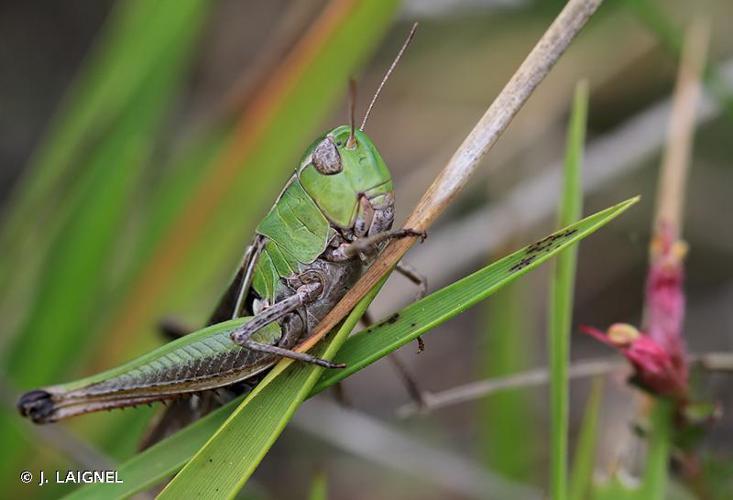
x=371, y=244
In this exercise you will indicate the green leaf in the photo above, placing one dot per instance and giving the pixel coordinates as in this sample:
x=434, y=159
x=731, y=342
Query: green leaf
x=654, y=482
x=360, y=350
x=150, y=467
x=561, y=299
x=137, y=41
x=60, y=316
x=228, y=459
x=368, y=346
x=108, y=139
x=584, y=459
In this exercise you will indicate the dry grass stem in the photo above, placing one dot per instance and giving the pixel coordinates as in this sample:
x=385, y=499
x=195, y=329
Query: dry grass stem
x=465, y=160
x=614, y=155
x=677, y=154
x=714, y=361
x=531, y=378
x=663, y=318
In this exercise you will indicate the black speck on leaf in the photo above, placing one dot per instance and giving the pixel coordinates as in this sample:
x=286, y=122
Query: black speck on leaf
x=523, y=263
x=392, y=319
x=546, y=244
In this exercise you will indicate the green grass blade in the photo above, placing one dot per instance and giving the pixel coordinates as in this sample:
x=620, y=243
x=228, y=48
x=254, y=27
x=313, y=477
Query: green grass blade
x=135, y=40
x=319, y=487
x=228, y=459
x=369, y=345
x=584, y=458
x=561, y=299
x=76, y=271
x=508, y=418
x=360, y=350
x=150, y=467
x=656, y=474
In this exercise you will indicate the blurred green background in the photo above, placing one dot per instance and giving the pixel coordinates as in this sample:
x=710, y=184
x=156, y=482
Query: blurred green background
x=142, y=141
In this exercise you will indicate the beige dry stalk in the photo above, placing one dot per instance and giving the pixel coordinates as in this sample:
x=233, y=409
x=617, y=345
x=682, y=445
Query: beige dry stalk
x=453, y=178
x=664, y=302
x=680, y=134
x=472, y=391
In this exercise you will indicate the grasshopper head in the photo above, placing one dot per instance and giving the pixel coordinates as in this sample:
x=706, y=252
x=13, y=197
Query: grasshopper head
x=345, y=175
x=336, y=172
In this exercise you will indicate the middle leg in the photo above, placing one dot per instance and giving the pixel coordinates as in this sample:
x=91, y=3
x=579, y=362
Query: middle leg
x=304, y=294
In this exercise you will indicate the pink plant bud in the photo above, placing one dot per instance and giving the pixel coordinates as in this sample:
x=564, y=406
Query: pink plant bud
x=665, y=299
x=658, y=355
x=654, y=368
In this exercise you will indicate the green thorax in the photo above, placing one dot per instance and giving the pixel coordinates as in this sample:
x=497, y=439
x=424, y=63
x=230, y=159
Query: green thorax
x=297, y=233
x=300, y=225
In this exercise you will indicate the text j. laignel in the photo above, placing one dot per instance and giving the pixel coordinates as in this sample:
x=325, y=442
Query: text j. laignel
x=82, y=477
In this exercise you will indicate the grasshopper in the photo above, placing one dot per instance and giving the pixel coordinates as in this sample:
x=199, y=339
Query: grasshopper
x=328, y=224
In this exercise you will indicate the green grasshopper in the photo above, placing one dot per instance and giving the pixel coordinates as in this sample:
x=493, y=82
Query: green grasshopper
x=328, y=224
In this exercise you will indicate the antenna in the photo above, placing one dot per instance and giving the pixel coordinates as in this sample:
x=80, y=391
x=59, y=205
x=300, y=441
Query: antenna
x=389, y=72
x=352, y=112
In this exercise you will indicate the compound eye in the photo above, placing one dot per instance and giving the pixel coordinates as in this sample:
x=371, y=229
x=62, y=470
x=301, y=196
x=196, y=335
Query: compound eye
x=326, y=158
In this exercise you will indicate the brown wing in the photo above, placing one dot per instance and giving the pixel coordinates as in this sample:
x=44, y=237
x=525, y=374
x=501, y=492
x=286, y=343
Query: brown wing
x=239, y=287
x=225, y=307
x=182, y=412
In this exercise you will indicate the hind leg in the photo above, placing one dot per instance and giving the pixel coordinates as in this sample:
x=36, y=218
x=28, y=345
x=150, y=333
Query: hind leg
x=410, y=383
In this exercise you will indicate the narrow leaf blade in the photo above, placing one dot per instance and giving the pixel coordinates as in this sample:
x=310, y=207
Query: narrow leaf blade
x=561, y=299
x=416, y=319
x=360, y=350
x=233, y=453
x=581, y=475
